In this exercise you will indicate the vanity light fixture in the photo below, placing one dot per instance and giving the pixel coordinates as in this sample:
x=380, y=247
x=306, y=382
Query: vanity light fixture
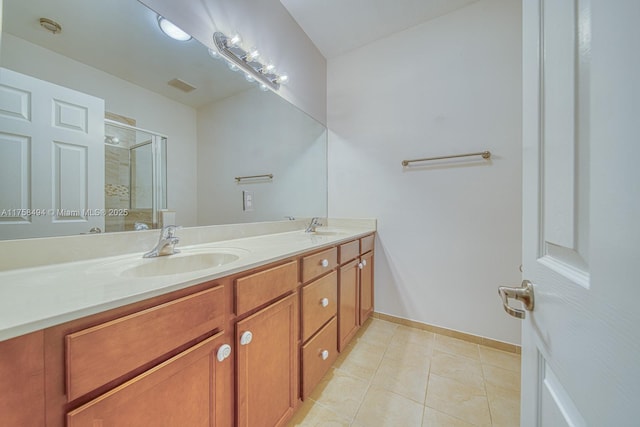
x=172, y=30
x=247, y=60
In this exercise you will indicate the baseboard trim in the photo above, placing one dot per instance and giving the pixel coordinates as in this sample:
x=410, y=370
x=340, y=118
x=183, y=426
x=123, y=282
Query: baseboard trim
x=476, y=339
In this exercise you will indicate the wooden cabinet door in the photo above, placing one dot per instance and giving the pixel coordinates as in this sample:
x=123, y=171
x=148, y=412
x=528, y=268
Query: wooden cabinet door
x=22, y=395
x=186, y=390
x=348, y=302
x=267, y=367
x=366, y=286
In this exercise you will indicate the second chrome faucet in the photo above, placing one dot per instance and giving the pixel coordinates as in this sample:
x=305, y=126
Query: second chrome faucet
x=166, y=244
x=315, y=222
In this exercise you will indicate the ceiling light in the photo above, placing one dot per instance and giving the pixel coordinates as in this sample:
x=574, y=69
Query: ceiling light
x=171, y=30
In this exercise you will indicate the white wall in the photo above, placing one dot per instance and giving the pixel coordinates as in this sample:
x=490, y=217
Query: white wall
x=448, y=235
x=150, y=110
x=267, y=25
x=255, y=133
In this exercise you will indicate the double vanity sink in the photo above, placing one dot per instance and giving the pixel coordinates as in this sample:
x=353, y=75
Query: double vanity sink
x=45, y=295
x=199, y=257
x=99, y=335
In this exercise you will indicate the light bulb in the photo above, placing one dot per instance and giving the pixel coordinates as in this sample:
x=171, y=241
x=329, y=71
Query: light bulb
x=268, y=69
x=214, y=53
x=172, y=30
x=282, y=79
x=252, y=55
x=232, y=66
x=248, y=77
x=263, y=87
x=234, y=40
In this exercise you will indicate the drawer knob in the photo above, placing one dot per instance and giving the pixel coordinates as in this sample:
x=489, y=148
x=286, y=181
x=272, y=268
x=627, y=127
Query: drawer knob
x=223, y=352
x=360, y=266
x=324, y=354
x=325, y=263
x=324, y=302
x=246, y=338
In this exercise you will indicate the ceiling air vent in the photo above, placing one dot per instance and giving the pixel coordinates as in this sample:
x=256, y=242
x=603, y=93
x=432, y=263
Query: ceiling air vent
x=182, y=85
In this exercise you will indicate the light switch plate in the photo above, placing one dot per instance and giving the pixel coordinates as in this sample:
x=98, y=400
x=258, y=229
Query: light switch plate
x=247, y=201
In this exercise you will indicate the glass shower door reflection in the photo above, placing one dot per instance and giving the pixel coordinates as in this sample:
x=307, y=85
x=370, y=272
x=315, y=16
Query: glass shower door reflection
x=135, y=177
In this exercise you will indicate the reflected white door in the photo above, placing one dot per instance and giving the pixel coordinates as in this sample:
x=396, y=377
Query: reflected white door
x=581, y=224
x=51, y=159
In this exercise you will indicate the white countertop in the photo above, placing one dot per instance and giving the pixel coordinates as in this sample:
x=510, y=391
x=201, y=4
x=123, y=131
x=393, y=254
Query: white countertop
x=39, y=297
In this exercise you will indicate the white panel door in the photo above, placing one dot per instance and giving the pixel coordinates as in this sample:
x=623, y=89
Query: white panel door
x=581, y=212
x=51, y=159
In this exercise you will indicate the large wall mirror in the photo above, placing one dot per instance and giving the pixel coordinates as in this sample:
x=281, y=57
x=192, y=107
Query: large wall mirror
x=107, y=122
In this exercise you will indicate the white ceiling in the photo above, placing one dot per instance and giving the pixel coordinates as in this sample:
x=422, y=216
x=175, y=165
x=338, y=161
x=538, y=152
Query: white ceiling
x=122, y=38
x=337, y=26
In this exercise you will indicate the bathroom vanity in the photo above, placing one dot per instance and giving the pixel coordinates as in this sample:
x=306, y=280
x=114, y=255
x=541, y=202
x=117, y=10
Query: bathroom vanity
x=241, y=343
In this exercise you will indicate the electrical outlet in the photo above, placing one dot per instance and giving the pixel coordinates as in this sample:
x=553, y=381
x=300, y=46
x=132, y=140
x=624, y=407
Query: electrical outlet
x=247, y=201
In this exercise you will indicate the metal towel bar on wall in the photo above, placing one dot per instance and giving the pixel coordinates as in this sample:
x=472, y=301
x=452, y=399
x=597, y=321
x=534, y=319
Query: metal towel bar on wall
x=484, y=154
x=240, y=178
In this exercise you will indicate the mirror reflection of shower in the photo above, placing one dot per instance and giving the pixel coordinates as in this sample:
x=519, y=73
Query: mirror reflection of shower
x=135, y=176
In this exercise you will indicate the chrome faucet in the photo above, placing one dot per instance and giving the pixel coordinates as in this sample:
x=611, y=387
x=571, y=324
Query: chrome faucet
x=166, y=244
x=315, y=222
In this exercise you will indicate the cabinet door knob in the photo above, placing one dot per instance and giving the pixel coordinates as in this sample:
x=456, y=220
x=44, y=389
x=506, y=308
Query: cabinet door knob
x=223, y=352
x=246, y=338
x=325, y=263
x=360, y=266
x=364, y=262
x=324, y=302
x=324, y=354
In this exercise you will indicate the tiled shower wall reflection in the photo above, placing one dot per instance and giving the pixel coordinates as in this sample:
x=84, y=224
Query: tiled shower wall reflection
x=118, y=183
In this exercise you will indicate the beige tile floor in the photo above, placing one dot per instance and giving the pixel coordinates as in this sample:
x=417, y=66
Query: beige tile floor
x=396, y=376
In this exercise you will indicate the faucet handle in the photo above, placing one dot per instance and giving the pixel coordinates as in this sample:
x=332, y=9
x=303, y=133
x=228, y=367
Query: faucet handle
x=169, y=230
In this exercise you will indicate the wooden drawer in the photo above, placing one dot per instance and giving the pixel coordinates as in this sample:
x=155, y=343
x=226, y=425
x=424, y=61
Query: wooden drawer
x=180, y=391
x=103, y=353
x=313, y=365
x=314, y=313
x=320, y=263
x=366, y=244
x=259, y=288
x=349, y=251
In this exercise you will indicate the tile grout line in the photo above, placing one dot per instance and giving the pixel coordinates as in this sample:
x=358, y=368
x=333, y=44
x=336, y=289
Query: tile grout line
x=370, y=382
x=484, y=385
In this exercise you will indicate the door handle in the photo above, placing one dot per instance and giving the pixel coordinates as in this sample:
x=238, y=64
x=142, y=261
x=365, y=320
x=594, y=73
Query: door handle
x=524, y=294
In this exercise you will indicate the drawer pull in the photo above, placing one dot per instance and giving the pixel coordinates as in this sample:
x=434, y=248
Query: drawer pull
x=325, y=263
x=223, y=352
x=246, y=338
x=324, y=354
x=324, y=302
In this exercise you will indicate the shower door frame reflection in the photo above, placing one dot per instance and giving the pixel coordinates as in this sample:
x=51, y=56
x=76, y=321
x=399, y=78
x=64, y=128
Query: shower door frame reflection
x=157, y=175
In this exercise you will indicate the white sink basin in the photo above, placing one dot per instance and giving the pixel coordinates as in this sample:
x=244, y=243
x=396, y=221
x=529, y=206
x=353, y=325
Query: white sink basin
x=184, y=262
